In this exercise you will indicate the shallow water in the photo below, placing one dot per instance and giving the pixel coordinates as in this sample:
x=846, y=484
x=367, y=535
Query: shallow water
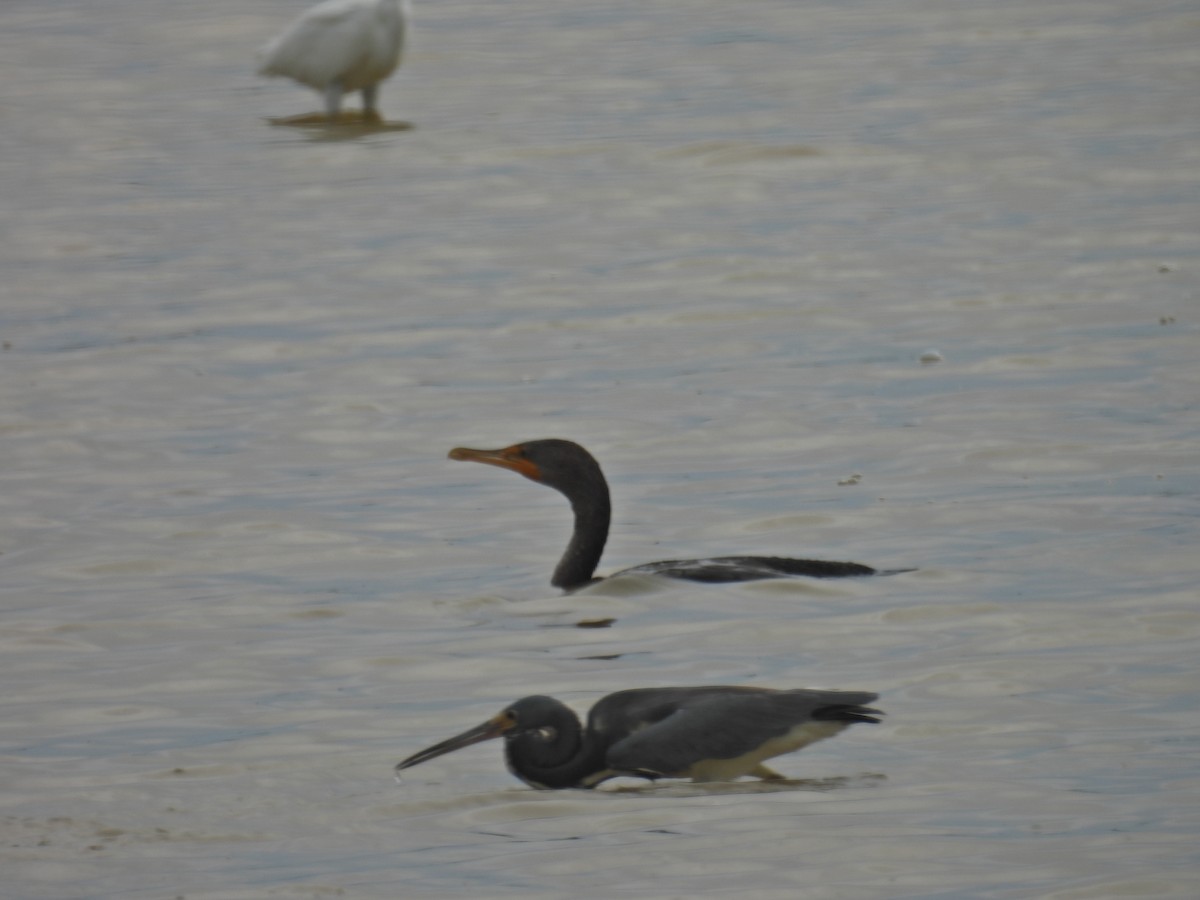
x=710, y=242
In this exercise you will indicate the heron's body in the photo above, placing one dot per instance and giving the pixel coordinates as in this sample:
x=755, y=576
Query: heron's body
x=341, y=46
x=703, y=733
x=750, y=763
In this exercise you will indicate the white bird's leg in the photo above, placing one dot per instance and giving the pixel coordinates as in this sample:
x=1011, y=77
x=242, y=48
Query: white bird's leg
x=370, y=95
x=333, y=100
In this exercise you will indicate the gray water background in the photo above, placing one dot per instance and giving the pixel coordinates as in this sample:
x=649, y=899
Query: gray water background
x=710, y=241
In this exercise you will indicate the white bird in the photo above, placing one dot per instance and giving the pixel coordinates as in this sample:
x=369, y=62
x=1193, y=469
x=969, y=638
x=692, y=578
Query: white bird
x=341, y=46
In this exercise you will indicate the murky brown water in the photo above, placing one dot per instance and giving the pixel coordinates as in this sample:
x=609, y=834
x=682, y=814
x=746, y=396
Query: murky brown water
x=711, y=242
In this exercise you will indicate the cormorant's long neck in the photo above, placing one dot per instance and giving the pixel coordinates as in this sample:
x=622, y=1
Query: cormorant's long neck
x=554, y=756
x=592, y=510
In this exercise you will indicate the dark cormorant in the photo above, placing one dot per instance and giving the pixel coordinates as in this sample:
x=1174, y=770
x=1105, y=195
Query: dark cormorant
x=571, y=470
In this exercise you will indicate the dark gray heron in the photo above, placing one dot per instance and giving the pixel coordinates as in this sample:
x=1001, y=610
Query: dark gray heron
x=572, y=471
x=702, y=733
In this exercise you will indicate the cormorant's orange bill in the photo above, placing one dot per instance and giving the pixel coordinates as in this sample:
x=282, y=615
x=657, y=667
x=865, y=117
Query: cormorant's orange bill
x=492, y=728
x=509, y=458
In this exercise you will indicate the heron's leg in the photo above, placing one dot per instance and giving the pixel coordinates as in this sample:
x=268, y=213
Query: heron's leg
x=333, y=100
x=765, y=773
x=370, y=96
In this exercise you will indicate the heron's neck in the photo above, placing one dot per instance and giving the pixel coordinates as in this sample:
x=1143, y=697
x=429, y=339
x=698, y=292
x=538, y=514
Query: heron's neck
x=557, y=756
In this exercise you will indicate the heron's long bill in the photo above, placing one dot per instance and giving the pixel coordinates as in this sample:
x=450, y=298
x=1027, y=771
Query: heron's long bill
x=492, y=728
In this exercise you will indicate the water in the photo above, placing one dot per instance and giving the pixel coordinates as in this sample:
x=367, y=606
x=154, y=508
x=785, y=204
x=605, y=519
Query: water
x=709, y=242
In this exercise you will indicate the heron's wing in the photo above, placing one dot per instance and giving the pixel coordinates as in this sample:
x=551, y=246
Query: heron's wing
x=621, y=714
x=718, y=724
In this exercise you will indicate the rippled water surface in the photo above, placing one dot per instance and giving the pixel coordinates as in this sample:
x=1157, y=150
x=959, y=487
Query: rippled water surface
x=710, y=241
